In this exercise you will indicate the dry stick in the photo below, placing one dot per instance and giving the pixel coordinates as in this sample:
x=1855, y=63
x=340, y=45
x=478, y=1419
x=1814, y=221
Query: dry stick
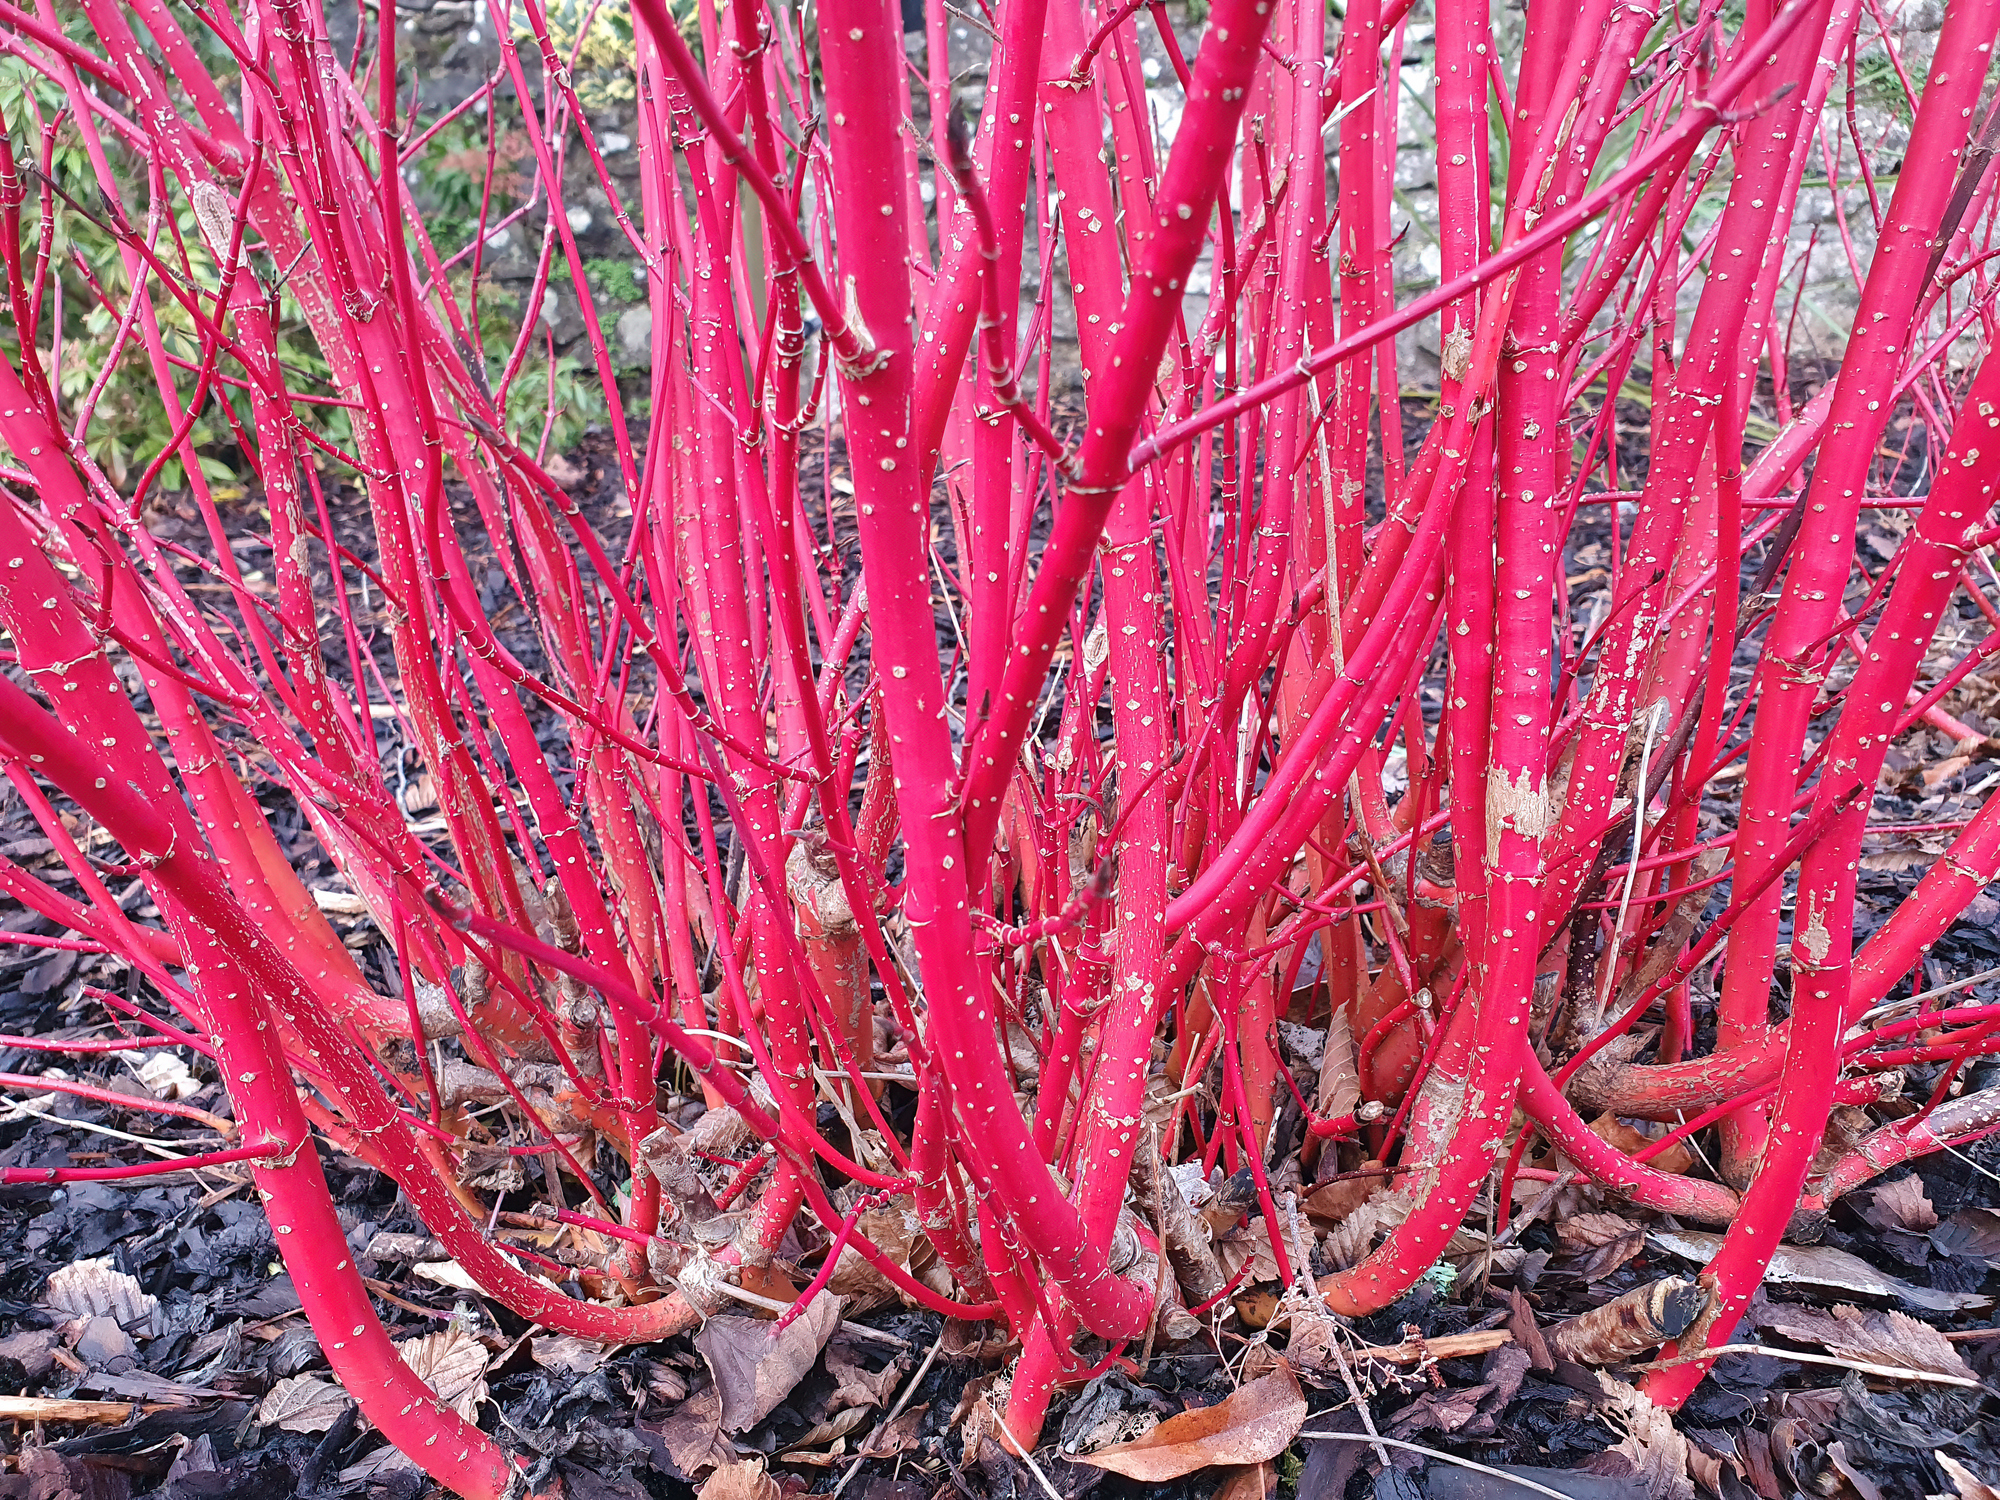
x=1435, y=1456
x=1360, y=1403
x=53, y=1409
x=1162, y=1270
x=1865, y=1367
x=772, y=1304
x=909, y=1390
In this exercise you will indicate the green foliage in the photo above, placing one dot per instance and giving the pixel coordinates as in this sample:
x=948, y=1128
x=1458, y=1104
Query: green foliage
x=87, y=265
x=1290, y=1467
x=600, y=39
x=447, y=179
x=575, y=397
x=620, y=280
x=130, y=424
x=1877, y=87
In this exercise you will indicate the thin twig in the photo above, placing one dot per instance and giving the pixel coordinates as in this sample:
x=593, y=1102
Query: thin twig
x=772, y=1304
x=1865, y=1367
x=1437, y=1457
x=1029, y=1459
x=895, y=1411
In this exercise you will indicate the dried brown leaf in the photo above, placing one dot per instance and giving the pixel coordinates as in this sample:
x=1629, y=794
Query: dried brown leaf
x=1825, y=1267
x=1652, y=1443
x=756, y=1369
x=1880, y=1338
x=1587, y=1231
x=837, y=1426
x=446, y=1273
x=1853, y=1473
x=1350, y=1240
x=1630, y=1140
x=1968, y=1484
x=1339, y=1076
x=1971, y=1232
x=1254, y=1424
x=1248, y=1242
x=91, y=1289
x=1331, y=1202
x=897, y=1436
x=567, y=1355
x=1527, y=1331
x=857, y=1385
x=452, y=1363
x=1251, y=1482
x=302, y=1403
x=1759, y=1471
x=746, y=1480
x=896, y=1232
x=1901, y=1204
x=691, y=1434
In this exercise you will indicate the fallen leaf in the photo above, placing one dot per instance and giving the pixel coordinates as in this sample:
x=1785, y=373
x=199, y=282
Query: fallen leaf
x=1600, y=1243
x=1249, y=1242
x=691, y=1434
x=1827, y=1268
x=565, y=471
x=1706, y=1469
x=896, y=1232
x=1440, y=1411
x=1968, y=1484
x=1331, y=1202
x=567, y=1355
x=1837, y=1455
x=91, y=1289
x=447, y=1273
x=1631, y=1140
x=1350, y=1240
x=746, y=1480
x=167, y=1076
x=1255, y=1423
x=835, y=1427
x=1758, y=1469
x=381, y=1462
x=1251, y=1482
x=1971, y=1232
x=1339, y=1077
x=452, y=1363
x=1881, y=1338
x=1652, y=1443
x=755, y=1370
x=1944, y=770
x=1587, y=1231
x=769, y=1281
x=1901, y=1204
x=1527, y=1331
x=854, y=1384
x=302, y=1403
x=898, y=1435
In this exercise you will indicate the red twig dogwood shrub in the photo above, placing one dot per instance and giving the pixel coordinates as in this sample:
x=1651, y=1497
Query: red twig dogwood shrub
x=1013, y=842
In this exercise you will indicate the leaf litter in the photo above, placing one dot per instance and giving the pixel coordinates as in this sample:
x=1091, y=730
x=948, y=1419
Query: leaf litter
x=165, y=1302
